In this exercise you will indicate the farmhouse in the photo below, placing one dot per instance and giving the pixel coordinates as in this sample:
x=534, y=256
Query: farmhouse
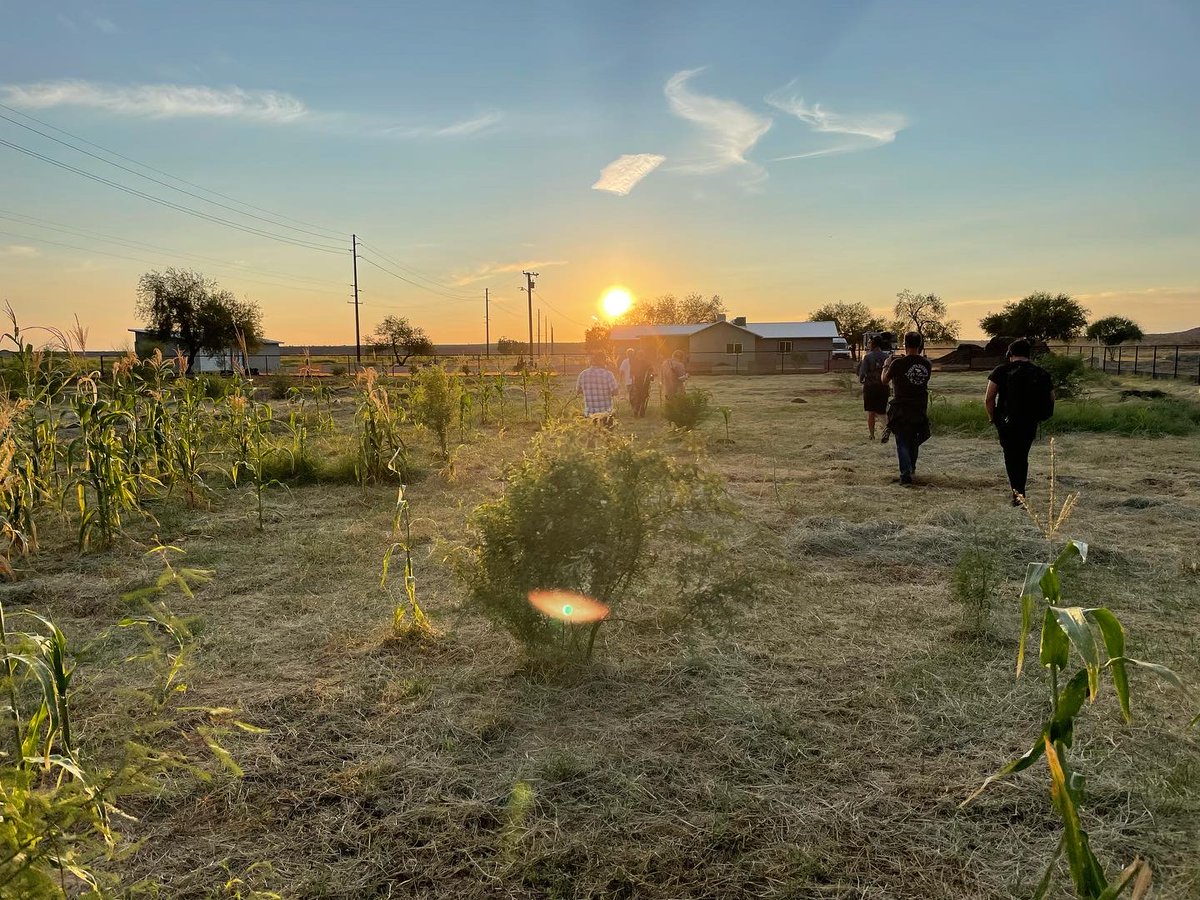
x=735, y=345
x=263, y=360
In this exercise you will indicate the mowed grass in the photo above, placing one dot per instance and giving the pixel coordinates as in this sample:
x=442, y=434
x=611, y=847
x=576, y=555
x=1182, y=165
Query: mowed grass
x=820, y=750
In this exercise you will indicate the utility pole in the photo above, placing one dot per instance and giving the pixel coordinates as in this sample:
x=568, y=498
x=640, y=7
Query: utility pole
x=357, y=336
x=529, y=276
x=487, y=332
x=539, y=343
x=552, y=339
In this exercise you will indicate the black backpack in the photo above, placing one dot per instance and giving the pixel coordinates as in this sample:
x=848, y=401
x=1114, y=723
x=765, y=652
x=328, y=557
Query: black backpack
x=1028, y=394
x=872, y=370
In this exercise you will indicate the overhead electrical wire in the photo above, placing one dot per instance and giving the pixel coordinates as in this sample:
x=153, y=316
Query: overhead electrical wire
x=417, y=284
x=325, y=232
x=49, y=225
x=249, y=229
x=415, y=273
x=537, y=292
x=93, y=250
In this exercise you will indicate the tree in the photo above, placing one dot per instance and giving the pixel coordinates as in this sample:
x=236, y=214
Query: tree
x=1039, y=317
x=925, y=314
x=189, y=309
x=403, y=339
x=668, y=309
x=853, y=320
x=1113, y=330
x=509, y=347
x=598, y=337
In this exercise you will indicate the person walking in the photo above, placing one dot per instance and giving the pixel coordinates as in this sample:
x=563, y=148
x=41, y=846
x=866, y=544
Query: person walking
x=642, y=374
x=1020, y=396
x=908, y=412
x=875, y=392
x=598, y=386
x=674, y=374
x=625, y=374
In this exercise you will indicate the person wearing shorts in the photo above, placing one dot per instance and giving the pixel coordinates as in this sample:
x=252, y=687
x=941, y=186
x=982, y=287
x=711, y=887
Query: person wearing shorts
x=875, y=392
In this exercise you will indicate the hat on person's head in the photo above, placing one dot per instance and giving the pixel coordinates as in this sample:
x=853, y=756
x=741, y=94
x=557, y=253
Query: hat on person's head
x=1019, y=347
x=876, y=343
x=913, y=341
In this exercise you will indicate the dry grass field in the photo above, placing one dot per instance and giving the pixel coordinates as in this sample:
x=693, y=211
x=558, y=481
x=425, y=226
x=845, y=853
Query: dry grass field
x=819, y=750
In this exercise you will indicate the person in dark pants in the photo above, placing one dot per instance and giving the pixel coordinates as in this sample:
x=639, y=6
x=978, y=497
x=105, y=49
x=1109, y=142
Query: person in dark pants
x=1020, y=395
x=875, y=392
x=908, y=412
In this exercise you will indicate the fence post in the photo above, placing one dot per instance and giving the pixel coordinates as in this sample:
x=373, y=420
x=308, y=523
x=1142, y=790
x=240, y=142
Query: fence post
x=1154, y=363
x=1136, y=348
x=1092, y=360
x=1176, y=373
x=1120, y=357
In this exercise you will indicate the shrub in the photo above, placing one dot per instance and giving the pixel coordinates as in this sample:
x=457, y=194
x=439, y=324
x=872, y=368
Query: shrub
x=436, y=401
x=974, y=587
x=1067, y=373
x=278, y=387
x=687, y=408
x=586, y=511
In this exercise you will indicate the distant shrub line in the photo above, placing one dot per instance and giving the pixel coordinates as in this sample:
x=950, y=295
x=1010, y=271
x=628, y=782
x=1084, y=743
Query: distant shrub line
x=1167, y=416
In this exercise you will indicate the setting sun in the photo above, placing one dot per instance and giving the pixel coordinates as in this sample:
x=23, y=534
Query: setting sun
x=616, y=302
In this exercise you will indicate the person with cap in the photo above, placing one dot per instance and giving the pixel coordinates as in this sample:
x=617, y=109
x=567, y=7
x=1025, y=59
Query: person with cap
x=875, y=392
x=908, y=412
x=1019, y=397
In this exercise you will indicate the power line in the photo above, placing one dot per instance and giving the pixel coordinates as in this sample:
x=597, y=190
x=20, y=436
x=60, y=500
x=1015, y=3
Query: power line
x=554, y=308
x=49, y=225
x=143, y=260
x=327, y=233
x=417, y=284
x=415, y=273
x=249, y=229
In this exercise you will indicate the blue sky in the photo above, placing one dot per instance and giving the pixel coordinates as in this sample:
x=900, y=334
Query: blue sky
x=779, y=154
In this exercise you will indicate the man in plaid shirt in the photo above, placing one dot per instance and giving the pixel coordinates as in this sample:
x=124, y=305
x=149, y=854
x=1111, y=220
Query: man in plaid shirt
x=598, y=386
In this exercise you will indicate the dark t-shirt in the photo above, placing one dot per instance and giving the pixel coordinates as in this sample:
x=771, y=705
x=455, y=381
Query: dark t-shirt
x=909, y=377
x=1012, y=405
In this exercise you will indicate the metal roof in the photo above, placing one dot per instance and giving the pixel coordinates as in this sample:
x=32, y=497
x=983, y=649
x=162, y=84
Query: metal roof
x=769, y=330
x=794, y=329
x=631, y=332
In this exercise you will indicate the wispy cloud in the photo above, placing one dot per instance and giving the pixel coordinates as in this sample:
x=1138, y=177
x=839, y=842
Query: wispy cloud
x=19, y=250
x=491, y=270
x=623, y=173
x=159, y=101
x=475, y=125
x=731, y=130
x=66, y=22
x=867, y=131
x=177, y=101
x=105, y=25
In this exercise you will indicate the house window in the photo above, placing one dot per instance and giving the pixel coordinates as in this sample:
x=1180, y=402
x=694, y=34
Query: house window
x=733, y=348
x=785, y=346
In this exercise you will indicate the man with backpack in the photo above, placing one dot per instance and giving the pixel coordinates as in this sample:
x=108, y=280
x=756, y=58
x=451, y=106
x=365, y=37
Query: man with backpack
x=875, y=392
x=908, y=413
x=1020, y=395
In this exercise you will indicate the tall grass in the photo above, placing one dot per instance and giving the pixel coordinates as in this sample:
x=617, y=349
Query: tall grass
x=1143, y=418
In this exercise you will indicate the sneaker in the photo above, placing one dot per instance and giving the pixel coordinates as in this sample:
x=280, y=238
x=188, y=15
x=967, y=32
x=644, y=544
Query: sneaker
x=906, y=479
x=887, y=436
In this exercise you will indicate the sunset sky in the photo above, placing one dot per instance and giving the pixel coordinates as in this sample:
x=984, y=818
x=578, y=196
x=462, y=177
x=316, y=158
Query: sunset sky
x=781, y=155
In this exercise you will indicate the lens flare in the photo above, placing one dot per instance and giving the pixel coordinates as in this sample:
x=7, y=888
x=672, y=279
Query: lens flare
x=616, y=302
x=567, y=606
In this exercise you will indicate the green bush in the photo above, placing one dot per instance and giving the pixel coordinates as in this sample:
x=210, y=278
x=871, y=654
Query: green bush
x=587, y=511
x=1146, y=418
x=436, y=401
x=974, y=585
x=277, y=387
x=687, y=408
x=1067, y=373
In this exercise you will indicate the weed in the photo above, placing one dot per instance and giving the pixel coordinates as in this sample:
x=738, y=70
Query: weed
x=687, y=408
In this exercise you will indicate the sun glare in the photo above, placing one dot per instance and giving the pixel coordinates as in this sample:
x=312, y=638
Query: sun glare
x=616, y=302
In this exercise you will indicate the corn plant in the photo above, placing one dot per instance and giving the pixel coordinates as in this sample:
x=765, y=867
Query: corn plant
x=465, y=402
x=249, y=431
x=546, y=389
x=726, y=414
x=408, y=619
x=105, y=483
x=1067, y=632
x=499, y=387
x=525, y=391
x=381, y=448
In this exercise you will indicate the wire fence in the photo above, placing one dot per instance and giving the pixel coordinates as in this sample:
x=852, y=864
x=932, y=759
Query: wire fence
x=1149, y=360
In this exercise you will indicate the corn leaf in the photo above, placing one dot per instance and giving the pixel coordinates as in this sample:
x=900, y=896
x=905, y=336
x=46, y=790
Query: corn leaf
x=1114, y=645
x=1086, y=873
x=1073, y=549
x=1051, y=586
x=1135, y=870
x=1075, y=624
x=1161, y=671
x=1022, y=762
x=1055, y=647
x=1043, y=887
x=1030, y=593
x=1070, y=701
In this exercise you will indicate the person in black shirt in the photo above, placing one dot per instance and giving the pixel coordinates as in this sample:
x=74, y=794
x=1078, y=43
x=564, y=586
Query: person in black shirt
x=908, y=412
x=1019, y=396
x=875, y=392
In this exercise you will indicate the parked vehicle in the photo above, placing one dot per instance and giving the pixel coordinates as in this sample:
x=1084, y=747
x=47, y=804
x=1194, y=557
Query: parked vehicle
x=841, y=348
